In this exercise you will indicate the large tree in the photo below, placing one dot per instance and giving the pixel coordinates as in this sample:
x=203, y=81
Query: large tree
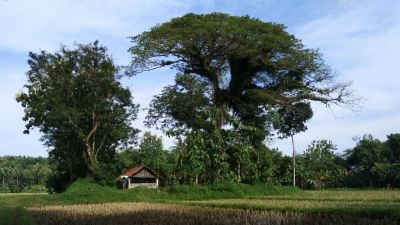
x=75, y=99
x=251, y=66
x=252, y=71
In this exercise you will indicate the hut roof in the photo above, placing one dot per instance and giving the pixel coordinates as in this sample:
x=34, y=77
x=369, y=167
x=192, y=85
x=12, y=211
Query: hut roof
x=134, y=170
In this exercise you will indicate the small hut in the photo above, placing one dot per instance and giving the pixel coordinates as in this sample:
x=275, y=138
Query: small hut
x=138, y=176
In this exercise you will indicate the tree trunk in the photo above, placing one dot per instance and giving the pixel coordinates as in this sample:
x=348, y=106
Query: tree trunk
x=239, y=178
x=90, y=160
x=70, y=174
x=217, y=151
x=221, y=117
x=294, y=162
x=3, y=179
x=197, y=179
x=17, y=181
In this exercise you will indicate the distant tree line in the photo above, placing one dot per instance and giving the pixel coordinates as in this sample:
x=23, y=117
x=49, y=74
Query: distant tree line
x=24, y=174
x=370, y=164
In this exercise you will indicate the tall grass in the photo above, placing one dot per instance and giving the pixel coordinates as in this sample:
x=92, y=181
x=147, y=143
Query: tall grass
x=148, y=213
x=371, y=209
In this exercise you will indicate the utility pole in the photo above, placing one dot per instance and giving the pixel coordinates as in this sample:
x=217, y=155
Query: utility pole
x=294, y=162
x=2, y=170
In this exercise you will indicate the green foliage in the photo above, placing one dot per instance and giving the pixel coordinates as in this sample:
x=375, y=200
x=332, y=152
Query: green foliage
x=151, y=153
x=39, y=188
x=184, y=105
x=293, y=119
x=24, y=174
x=374, y=163
x=321, y=168
x=393, y=143
x=192, y=158
x=75, y=99
x=250, y=67
x=15, y=215
x=238, y=79
x=106, y=173
x=90, y=191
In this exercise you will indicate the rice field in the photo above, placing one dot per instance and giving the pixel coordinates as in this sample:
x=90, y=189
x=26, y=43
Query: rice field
x=88, y=203
x=379, y=195
x=332, y=199
x=153, y=213
x=358, y=203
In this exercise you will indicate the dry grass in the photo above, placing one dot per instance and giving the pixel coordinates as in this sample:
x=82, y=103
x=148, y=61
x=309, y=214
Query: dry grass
x=148, y=213
x=22, y=194
x=300, y=204
x=360, y=195
x=379, y=195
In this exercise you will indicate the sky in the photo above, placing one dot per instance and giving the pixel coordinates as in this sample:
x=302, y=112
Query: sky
x=358, y=38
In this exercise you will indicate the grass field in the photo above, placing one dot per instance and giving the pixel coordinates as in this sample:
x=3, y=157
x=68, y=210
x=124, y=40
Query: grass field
x=89, y=203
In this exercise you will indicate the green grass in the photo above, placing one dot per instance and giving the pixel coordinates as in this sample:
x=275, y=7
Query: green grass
x=15, y=216
x=85, y=191
x=367, y=203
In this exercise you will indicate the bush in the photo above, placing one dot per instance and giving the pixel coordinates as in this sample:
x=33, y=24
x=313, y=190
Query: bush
x=105, y=174
x=6, y=189
x=40, y=188
x=226, y=186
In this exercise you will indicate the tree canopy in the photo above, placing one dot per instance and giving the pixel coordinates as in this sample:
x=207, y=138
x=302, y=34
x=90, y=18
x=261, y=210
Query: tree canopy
x=252, y=68
x=234, y=72
x=75, y=99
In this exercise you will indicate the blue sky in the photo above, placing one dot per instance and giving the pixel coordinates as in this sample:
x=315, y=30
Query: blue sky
x=359, y=39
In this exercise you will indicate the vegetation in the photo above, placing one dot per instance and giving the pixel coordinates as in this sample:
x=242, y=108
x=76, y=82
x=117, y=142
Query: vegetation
x=279, y=203
x=76, y=101
x=371, y=163
x=240, y=78
x=15, y=215
x=374, y=163
x=239, y=81
x=24, y=174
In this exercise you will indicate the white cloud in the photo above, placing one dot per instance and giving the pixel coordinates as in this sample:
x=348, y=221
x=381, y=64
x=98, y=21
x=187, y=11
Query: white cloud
x=30, y=25
x=361, y=43
x=13, y=141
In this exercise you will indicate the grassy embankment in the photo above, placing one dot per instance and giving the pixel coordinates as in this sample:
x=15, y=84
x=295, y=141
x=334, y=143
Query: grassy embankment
x=353, y=206
x=12, y=206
